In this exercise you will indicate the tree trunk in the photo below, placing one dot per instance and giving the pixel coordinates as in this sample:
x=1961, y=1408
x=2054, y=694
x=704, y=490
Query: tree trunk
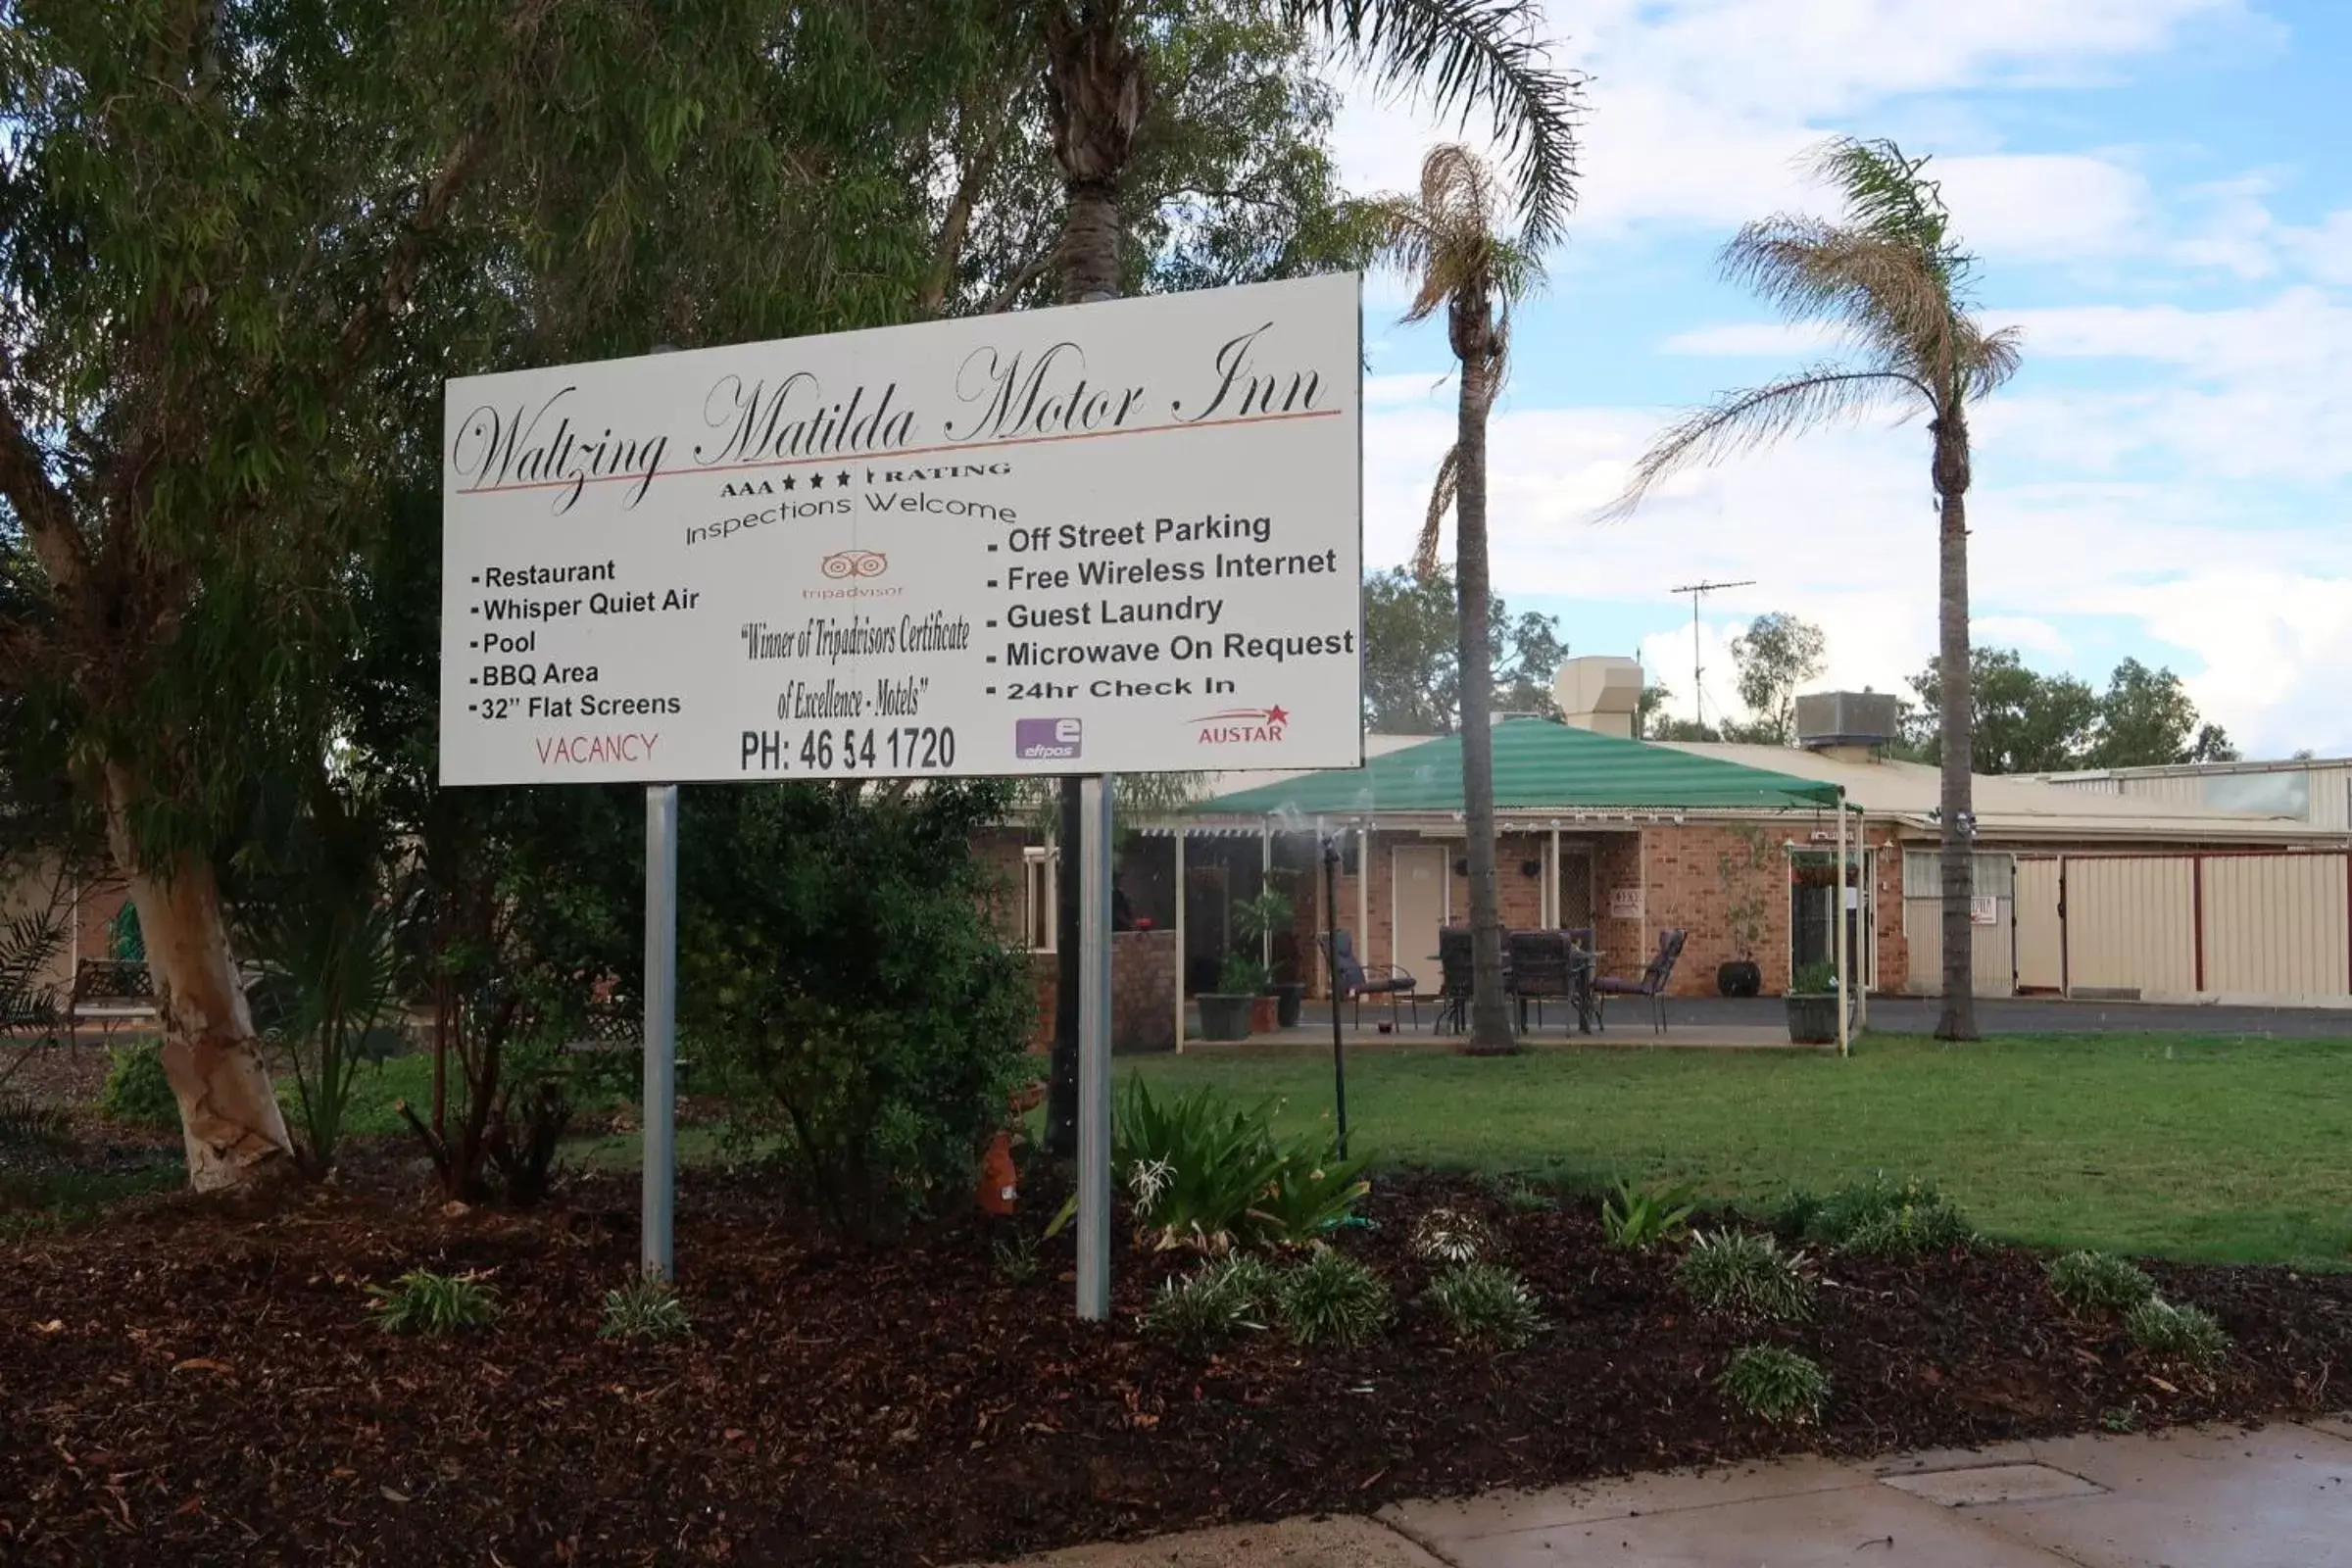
x=1490, y=1009
x=1094, y=103
x=228, y=1114
x=1958, y=1019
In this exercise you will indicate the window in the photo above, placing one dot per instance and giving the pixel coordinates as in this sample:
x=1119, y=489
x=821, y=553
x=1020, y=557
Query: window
x=1040, y=898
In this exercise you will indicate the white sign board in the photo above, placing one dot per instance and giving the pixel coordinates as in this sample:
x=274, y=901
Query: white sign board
x=1983, y=908
x=1117, y=538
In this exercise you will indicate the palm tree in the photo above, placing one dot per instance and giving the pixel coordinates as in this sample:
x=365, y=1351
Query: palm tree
x=1457, y=52
x=1447, y=238
x=1890, y=274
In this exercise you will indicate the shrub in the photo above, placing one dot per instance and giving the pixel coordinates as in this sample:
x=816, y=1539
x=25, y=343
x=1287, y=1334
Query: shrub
x=1743, y=1272
x=1521, y=1198
x=1311, y=1193
x=1203, y=1172
x=1792, y=1217
x=1242, y=976
x=435, y=1306
x=1214, y=1302
x=1816, y=979
x=838, y=967
x=1017, y=1260
x=1637, y=1221
x=1778, y=1385
x=1192, y=1166
x=646, y=1309
x=1450, y=1235
x=1882, y=1218
x=26, y=1123
x=2098, y=1282
x=1487, y=1304
x=2187, y=1333
x=1331, y=1298
x=313, y=917
x=137, y=1090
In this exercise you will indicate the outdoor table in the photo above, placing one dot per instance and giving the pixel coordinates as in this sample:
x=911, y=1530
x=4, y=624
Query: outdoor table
x=1584, y=966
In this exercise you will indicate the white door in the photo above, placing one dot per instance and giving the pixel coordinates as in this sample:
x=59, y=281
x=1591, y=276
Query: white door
x=1419, y=909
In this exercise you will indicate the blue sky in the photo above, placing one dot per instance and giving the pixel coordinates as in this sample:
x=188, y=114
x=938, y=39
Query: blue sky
x=2158, y=192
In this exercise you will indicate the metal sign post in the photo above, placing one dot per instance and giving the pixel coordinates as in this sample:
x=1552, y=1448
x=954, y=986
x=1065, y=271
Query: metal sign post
x=1094, y=1047
x=661, y=1026
x=658, y=1200
x=1331, y=945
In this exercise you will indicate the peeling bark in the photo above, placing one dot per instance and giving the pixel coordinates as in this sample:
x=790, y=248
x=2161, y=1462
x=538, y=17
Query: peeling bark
x=233, y=1130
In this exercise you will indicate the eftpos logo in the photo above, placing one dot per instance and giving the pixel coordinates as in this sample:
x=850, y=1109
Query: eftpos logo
x=1045, y=740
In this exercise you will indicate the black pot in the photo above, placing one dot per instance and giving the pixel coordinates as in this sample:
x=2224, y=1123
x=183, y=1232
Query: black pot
x=1288, y=995
x=1742, y=977
x=1813, y=1020
x=1225, y=1017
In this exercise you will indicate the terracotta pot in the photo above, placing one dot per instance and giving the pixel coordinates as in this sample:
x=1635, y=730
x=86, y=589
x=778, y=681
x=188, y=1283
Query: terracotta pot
x=1265, y=1015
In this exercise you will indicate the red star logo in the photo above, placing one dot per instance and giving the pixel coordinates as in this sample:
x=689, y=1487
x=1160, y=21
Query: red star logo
x=1277, y=715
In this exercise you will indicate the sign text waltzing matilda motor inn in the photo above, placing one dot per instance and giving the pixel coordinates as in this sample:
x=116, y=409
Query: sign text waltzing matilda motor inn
x=1119, y=538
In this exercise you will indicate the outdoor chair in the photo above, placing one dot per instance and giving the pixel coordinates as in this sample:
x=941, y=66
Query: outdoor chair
x=1457, y=968
x=110, y=992
x=1652, y=982
x=1358, y=980
x=1543, y=969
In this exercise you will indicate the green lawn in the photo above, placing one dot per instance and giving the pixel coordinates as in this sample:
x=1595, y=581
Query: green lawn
x=2195, y=1148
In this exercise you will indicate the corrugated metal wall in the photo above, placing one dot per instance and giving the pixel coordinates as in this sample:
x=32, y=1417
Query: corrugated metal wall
x=2040, y=957
x=1994, y=962
x=2320, y=795
x=2276, y=925
x=2131, y=926
x=2274, y=928
x=2331, y=798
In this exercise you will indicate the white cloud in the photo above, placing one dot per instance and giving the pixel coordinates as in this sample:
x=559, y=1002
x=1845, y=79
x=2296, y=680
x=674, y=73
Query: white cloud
x=1841, y=527
x=2047, y=206
x=2182, y=471
x=1794, y=341
x=2326, y=251
x=1699, y=107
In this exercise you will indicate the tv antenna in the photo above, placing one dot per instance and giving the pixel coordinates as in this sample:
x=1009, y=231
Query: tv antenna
x=1699, y=689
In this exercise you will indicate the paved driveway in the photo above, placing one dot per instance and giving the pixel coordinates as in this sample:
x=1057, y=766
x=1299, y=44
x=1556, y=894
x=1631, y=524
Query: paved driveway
x=2215, y=1497
x=2040, y=1015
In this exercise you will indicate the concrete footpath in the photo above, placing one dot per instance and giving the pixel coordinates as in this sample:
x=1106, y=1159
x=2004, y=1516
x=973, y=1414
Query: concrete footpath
x=2204, y=1497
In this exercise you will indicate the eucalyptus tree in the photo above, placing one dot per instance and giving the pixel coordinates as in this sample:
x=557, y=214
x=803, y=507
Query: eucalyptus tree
x=1890, y=274
x=234, y=238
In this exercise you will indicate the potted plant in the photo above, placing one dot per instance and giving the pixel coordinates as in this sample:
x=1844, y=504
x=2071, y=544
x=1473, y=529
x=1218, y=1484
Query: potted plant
x=1255, y=920
x=1229, y=1012
x=1741, y=873
x=1812, y=1002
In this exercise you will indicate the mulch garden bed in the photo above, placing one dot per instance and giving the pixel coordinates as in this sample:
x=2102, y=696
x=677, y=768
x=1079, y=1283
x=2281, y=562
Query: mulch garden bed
x=191, y=1382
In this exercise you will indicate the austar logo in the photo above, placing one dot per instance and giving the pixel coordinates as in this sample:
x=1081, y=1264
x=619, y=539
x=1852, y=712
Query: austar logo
x=855, y=564
x=1241, y=726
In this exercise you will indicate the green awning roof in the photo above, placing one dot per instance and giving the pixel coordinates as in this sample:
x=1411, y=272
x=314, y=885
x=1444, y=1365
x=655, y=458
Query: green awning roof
x=1537, y=765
